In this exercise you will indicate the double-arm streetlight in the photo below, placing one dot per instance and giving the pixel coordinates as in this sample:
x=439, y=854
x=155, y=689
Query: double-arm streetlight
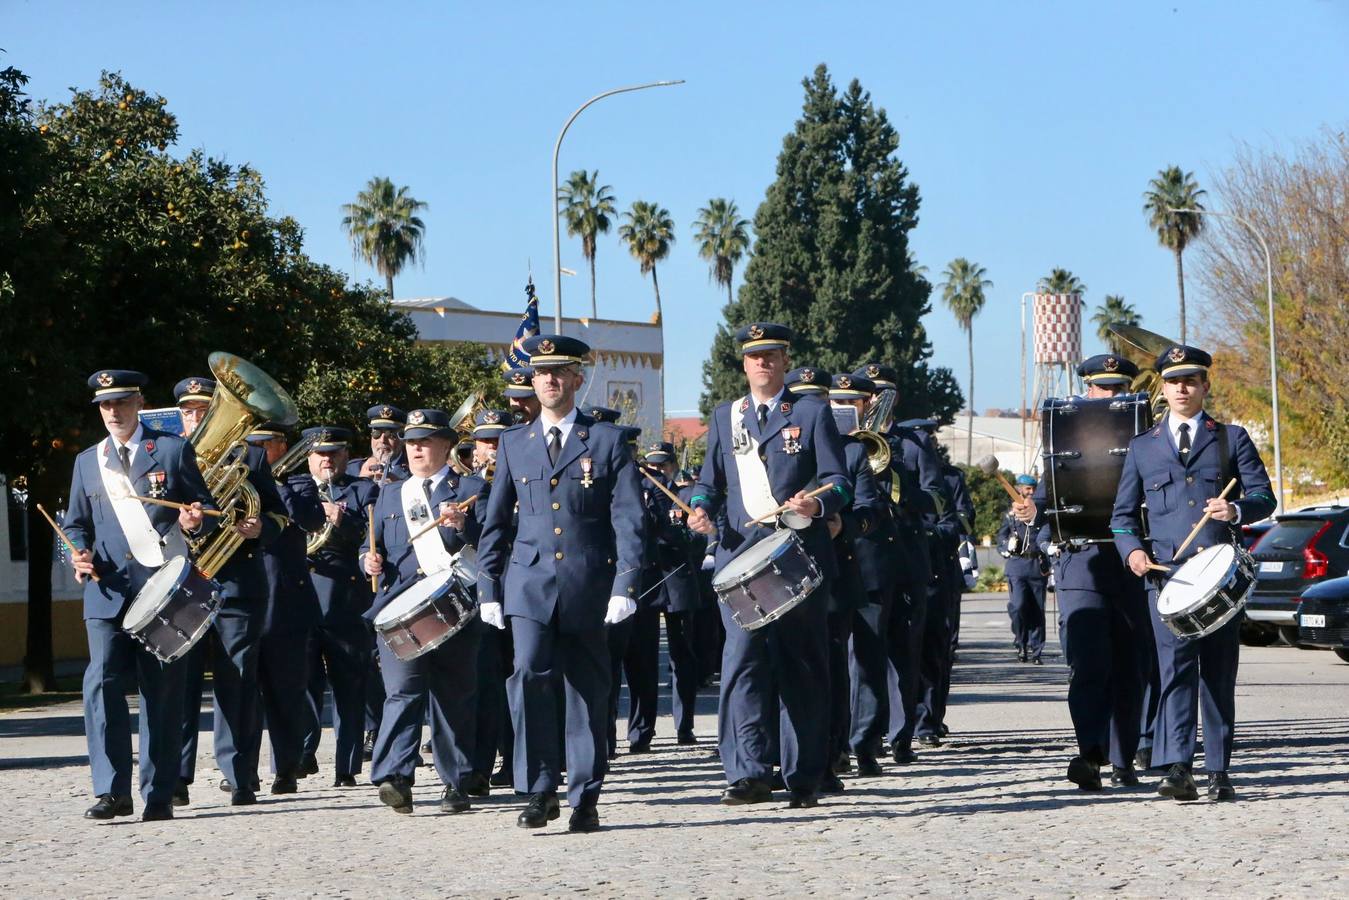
x=557, y=237
x=1273, y=360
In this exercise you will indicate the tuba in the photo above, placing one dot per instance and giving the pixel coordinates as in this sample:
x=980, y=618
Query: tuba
x=876, y=422
x=461, y=457
x=245, y=396
x=293, y=457
x=316, y=540
x=1142, y=347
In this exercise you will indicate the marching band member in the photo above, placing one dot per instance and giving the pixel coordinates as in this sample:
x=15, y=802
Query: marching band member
x=782, y=447
x=574, y=568
x=340, y=647
x=387, y=460
x=235, y=634
x=1179, y=467
x=874, y=548
x=291, y=615
x=1103, y=625
x=117, y=544
x=520, y=396
x=637, y=666
x=445, y=675
x=1027, y=572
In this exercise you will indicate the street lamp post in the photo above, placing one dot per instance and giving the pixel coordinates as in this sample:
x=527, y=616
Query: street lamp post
x=1273, y=359
x=557, y=238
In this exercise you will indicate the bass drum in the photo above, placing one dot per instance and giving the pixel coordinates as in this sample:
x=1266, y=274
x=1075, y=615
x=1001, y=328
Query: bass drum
x=1085, y=444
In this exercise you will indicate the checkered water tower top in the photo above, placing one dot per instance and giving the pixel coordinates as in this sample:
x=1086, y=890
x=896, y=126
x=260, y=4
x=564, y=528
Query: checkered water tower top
x=1058, y=328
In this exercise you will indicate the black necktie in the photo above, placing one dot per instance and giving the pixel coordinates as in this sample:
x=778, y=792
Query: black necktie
x=554, y=444
x=124, y=454
x=1184, y=442
x=763, y=417
x=426, y=489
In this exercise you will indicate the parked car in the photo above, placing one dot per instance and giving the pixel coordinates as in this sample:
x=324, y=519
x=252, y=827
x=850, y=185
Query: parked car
x=1323, y=617
x=1251, y=534
x=1302, y=548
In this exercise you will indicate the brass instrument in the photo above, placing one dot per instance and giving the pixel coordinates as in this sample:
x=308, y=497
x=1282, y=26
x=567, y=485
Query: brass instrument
x=461, y=457
x=1142, y=347
x=245, y=396
x=293, y=457
x=876, y=422
x=316, y=540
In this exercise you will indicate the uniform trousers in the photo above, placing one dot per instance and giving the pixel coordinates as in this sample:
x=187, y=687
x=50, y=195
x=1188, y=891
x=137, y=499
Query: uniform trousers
x=339, y=657
x=868, y=674
x=283, y=678
x=233, y=643
x=1026, y=605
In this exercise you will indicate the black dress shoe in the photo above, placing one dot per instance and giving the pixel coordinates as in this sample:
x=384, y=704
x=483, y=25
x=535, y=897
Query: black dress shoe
x=454, y=800
x=344, y=781
x=1084, y=773
x=426, y=748
x=542, y=809
x=284, y=785
x=777, y=782
x=843, y=763
x=108, y=807
x=502, y=777
x=476, y=785
x=1037, y=661
x=243, y=797
x=1123, y=777
x=686, y=738
x=903, y=755
x=308, y=766
x=368, y=749
x=396, y=793
x=929, y=740
x=1220, y=788
x=831, y=784
x=746, y=790
x=1178, y=784
x=803, y=800
x=225, y=786
x=642, y=746
x=157, y=812
x=867, y=767
x=181, y=796
x=584, y=818
x=1143, y=759
x=1021, y=654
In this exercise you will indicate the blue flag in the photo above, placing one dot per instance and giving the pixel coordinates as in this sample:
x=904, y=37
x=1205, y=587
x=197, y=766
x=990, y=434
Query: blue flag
x=529, y=326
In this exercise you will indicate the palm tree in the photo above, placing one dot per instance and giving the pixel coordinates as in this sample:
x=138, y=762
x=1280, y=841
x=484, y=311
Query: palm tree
x=723, y=238
x=1061, y=281
x=588, y=209
x=1114, y=311
x=648, y=231
x=963, y=294
x=384, y=229
x=1175, y=189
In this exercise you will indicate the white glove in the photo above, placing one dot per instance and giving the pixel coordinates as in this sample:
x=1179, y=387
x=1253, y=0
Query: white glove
x=1053, y=550
x=709, y=563
x=493, y=615
x=620, y=608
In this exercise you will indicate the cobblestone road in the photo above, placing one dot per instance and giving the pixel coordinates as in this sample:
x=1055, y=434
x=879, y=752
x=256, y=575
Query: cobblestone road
x=988, y=814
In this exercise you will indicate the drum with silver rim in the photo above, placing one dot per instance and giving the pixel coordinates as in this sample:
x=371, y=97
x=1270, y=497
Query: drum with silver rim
x=426, y=614
x=768, y=580
x=173, y=610
x=1207, y=591
x=1085, y=443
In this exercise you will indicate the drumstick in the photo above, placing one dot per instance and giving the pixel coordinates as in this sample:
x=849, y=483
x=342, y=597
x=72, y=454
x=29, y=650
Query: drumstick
x=1157, y=567
x=62, y=534
x=688, y=511
x=783, y=508
x=173, y=504
x=463, y=507
x=1202, y=522
x=989, y=465
x=370, y=517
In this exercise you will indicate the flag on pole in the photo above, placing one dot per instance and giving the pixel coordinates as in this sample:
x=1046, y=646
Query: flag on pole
x=528, y=327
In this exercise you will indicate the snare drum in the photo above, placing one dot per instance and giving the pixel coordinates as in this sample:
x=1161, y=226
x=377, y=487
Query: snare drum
x=173, y=609
x=425, y=615
x=768, y=580
x=1085, y=444
x=1207, y=591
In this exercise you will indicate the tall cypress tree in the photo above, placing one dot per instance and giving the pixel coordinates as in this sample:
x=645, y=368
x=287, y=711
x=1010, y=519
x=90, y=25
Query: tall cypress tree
x=831, y=256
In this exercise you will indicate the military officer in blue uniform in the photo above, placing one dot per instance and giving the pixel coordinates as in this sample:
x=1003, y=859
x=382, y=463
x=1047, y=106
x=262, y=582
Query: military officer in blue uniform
x=445, y=676
x=1103, y=624
x=341, y=642
x=1027, y=571
x=1179, y=467
x=235, y=637
x=519, y=393
x=875, y=548
x=790, y=446
x=387, y=460
x=574, y=566
x=117, y=546
x=291, y=615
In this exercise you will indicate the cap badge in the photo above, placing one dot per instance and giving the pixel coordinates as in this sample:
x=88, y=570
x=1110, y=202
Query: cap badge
x=1176, y=354
x=104, y=379
x=416, y=417
x=1111, y=364
x=546, y=346
x=755, y=332
x=808, y=375
x=518, y=378
x=873, y=371
x=491, y=417
x=844, y=382
x=194, y=386
x=386, y=412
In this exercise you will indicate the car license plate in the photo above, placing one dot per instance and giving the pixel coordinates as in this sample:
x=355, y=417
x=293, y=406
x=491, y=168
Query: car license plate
x=1310, y=621
x=1271, y=567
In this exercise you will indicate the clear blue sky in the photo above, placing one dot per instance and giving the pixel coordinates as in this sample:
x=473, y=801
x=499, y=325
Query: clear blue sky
x=1031, y=128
